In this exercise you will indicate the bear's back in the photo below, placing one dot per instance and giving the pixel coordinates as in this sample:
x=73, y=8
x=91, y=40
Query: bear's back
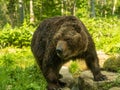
x=54, y=23
x=48, y=27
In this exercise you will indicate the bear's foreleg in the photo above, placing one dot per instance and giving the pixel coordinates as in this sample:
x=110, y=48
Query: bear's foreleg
x=93, y=64
x=51, y=74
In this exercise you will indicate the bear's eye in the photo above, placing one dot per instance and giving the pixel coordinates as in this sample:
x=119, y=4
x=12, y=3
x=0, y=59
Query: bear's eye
x=67, y=39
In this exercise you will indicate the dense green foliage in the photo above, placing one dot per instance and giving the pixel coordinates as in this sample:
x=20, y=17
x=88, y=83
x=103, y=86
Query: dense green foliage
x=17, y=37
x=105, y=32
x=18, y=71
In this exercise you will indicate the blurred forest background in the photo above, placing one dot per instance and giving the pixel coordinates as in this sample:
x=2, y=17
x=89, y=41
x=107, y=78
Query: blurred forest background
x=20, y=18
x=15, y=12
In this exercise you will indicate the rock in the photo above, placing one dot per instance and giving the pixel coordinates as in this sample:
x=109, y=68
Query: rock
x=115, y=88
x=67, y=76
x=71, y=83
x=85, y=81
x=102, y=57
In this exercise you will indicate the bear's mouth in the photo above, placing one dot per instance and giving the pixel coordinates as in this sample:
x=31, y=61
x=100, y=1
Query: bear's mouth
x=64, y=57
x=61, y=56
x=70, y=56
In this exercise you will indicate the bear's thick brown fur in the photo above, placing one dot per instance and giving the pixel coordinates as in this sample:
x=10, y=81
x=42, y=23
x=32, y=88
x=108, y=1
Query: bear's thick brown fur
x=58, y=40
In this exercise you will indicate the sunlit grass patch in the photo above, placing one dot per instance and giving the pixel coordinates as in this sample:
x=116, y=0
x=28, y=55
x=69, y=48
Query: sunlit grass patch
x=16, y=57
x=18, y=70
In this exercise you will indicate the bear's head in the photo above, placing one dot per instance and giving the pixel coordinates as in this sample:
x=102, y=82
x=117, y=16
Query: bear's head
x=71, y=40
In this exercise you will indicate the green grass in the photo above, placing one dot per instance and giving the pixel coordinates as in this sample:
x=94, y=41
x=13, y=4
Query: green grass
x=18, y=70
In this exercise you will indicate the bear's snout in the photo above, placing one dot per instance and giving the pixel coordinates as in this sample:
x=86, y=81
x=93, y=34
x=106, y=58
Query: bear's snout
x=61, y=48
x=59, y=51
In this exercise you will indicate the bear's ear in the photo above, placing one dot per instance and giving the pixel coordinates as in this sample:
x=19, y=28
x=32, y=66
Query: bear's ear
x=77, y=37
x=76, y=27
x=57, y=36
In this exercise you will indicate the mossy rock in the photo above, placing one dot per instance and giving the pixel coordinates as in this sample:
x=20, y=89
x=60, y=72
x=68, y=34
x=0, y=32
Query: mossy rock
x=86, y=81
x=112, y=64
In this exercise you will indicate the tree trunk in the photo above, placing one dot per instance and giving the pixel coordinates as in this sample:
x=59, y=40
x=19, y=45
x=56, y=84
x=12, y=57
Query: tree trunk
x=73, y=8
x=65, y=4
x=103, y=5
x=12, y=12
x=92, y=8
x=21, y=11
x=62, y=7
x=114, y=6
x=31, y=12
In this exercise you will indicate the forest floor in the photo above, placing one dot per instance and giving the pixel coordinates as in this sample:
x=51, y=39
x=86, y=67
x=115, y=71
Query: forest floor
x=102, y=58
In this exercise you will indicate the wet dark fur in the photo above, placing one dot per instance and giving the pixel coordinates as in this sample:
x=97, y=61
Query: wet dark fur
x=44, y=43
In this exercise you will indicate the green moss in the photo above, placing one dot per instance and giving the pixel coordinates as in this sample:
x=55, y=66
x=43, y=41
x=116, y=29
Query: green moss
x=112, y=64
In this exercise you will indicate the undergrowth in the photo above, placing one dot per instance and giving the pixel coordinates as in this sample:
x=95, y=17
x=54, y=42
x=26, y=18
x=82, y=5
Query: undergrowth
x=18, y=71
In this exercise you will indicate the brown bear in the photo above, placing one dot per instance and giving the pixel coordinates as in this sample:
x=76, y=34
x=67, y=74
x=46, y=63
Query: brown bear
x=58, y=40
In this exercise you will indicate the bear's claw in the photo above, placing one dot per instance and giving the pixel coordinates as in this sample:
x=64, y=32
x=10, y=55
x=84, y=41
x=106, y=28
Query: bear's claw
x=100, y=77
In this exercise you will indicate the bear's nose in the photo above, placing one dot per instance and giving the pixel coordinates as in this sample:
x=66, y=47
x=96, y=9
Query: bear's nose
x=59, y=51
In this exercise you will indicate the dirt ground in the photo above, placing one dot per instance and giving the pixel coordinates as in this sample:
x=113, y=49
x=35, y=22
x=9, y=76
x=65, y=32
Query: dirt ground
x=101, y=55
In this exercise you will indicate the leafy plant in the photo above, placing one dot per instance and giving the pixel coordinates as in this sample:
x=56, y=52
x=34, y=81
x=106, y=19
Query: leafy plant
x=74, y=68
x=105, y=32
x=16, y=37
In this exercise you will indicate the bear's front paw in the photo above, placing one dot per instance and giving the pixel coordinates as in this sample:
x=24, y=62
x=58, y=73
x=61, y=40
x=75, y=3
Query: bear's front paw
x=100, y=77
x=53, y=86
x=54, y=89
